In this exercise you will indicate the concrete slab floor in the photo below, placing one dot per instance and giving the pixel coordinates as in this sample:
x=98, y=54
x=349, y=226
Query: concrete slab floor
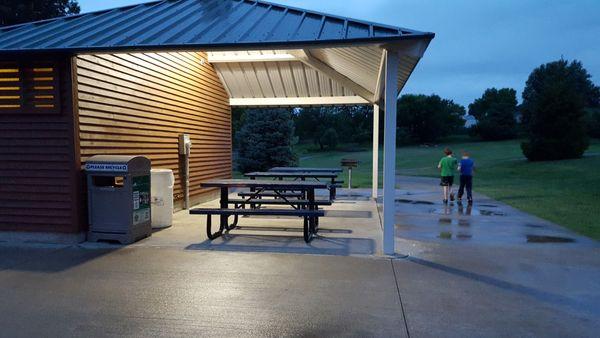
x=485, y=279
x=351, y=227
x=149, y=291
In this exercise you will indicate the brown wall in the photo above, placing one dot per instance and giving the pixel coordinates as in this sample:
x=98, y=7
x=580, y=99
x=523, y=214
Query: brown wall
x=39, y=173
x=139, y=103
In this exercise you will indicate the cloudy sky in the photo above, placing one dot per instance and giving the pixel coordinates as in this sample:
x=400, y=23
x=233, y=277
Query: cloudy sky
x=479, y=43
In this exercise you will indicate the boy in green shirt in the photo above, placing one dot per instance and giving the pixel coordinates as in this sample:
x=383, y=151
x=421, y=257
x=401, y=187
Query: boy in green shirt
x=447, y=166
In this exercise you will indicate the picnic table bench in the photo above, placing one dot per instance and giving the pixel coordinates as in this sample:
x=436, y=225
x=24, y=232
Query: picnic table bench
x=309, y=210
x=305, y=169
x=302, y=176
x=272, y=194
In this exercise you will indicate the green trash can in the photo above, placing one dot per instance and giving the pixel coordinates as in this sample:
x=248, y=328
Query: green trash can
x=118, y=198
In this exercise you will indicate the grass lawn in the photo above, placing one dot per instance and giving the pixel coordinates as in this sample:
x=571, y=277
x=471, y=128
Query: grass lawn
x=565, y=192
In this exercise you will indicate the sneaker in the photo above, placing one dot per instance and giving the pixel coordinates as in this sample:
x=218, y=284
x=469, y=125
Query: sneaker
x=470, y=201
x=445, y=201
x=452, y=196
x=459, y=200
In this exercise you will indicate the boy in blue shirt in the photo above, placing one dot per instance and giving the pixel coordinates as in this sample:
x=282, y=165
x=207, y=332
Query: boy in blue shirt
x=466, y=167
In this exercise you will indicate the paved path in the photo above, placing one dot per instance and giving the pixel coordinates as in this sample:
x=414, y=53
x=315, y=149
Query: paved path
x=491, y=270
x=466, y=275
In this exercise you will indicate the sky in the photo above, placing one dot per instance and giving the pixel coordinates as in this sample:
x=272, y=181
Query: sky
x=479, y=44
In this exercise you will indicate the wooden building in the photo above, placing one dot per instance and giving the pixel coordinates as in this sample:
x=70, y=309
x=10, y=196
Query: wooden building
x=130, y=80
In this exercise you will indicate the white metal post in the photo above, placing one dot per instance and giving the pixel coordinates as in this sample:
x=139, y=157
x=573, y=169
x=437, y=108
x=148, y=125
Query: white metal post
x=389, y=151
x=375, y=183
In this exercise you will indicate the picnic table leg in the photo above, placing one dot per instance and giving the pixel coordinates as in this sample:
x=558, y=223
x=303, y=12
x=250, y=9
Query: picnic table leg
x=252, y=205
x=209, y=232
x=332, y=190
x=224, y=204
x=312, y=206
x=306, y=229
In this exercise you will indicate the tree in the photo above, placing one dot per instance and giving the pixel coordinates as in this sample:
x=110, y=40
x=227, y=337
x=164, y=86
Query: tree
x=351, y=123
x=593, y=122
x=266, y=139
x=428, y=118
x=238, y=116
x=329, y=139
x=495, y=112
x=13, y=12
x=554, y=99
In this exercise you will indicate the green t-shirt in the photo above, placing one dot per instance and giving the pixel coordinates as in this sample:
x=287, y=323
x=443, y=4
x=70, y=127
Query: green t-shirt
x=448, y=166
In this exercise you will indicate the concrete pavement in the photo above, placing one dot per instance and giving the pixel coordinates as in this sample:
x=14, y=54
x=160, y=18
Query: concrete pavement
x=143, y=292
x=466, y=274
x=491, y=270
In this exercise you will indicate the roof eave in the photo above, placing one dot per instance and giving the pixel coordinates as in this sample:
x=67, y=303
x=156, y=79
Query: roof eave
x=225, y=46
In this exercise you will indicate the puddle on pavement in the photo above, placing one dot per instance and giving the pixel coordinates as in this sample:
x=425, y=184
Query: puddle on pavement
x=468, y=211
x=406, y=201
x=548, y=239
x=464, y=223
x=488, y=205
x=448, y=235
x=537, y=226
x=464, y=236
x=491, y=213
x=445, y=235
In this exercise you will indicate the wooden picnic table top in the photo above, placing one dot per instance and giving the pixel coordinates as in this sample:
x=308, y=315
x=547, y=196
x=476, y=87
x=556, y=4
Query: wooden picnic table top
x=302, y=174
x=266, y=184
x=306, y=169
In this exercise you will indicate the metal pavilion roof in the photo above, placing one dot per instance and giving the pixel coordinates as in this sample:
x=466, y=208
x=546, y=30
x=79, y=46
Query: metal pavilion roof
x=187, y=24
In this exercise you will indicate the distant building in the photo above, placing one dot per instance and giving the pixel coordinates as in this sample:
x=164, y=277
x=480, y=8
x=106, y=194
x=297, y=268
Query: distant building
x=469, y=120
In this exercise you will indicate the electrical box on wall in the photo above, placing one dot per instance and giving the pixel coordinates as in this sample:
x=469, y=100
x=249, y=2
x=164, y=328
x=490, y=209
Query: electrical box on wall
x=184, y=143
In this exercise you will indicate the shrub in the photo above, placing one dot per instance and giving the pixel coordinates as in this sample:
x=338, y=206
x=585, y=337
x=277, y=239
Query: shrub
x=265, y=140
x=553, y=111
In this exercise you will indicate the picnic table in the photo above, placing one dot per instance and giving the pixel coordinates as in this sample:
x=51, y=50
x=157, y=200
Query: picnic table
x=309, y=210
x=305, y=169
x=302, y=176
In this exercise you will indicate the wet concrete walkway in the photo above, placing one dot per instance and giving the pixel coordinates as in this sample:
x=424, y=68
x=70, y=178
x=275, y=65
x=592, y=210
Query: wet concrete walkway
x=491, y=270
x=474, y=273
x=421, y=215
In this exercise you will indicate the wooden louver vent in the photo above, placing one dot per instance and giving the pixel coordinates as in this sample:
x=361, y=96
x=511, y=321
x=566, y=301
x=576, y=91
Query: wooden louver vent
x=29, y=88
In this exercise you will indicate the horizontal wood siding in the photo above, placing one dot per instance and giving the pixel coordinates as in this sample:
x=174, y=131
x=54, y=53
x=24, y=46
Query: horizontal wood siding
x=39, y=174
x=138, y=104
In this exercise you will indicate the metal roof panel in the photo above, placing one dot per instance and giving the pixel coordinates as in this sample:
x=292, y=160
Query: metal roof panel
x=177, y=24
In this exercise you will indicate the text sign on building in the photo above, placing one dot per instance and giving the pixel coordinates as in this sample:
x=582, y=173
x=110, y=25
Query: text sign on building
x=106, y=167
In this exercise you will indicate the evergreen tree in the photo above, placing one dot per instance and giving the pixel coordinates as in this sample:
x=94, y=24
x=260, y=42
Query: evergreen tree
x=266, y=139
x=554, y=99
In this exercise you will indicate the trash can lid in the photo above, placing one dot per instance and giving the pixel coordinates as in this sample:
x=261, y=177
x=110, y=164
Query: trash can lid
x=161, y=170
x=117, y=163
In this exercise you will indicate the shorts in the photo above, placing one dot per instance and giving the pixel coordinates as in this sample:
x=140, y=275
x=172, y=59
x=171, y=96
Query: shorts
x=447, y=181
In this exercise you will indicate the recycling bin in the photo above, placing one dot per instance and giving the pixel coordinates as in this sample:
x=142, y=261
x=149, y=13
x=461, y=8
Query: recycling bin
x=118, y=198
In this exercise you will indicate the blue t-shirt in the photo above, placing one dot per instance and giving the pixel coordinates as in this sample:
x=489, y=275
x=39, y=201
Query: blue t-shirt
x=466, y=167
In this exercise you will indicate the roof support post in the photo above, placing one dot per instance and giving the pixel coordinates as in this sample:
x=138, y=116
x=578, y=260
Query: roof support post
x=375, y=182
x=389, y=151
